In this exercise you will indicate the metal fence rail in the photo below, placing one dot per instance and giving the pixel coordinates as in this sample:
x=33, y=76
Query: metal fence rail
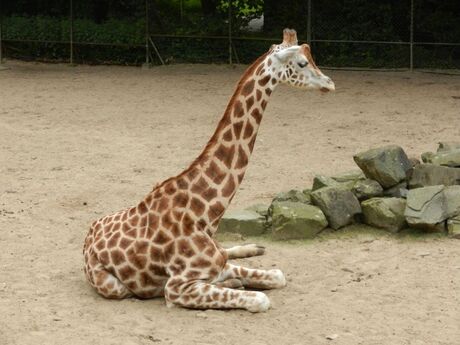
x=151, y=47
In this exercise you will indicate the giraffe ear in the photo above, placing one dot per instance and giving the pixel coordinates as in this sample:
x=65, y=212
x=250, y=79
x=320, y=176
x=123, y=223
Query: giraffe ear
x=286, y=54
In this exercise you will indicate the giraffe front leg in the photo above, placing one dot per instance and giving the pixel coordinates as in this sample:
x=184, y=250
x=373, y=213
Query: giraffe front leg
x=244, y=251
x=253, y=278
x=202, y=295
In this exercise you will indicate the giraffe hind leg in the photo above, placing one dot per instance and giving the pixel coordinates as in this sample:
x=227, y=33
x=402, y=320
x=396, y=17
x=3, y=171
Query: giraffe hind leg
x=105, y=283
x=245, y=251
x=202, y=295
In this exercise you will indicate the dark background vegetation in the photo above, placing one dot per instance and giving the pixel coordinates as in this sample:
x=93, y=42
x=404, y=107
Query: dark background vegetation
x=110, y=31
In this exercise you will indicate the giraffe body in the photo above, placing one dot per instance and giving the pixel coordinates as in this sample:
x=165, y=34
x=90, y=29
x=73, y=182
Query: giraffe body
x=164, y=246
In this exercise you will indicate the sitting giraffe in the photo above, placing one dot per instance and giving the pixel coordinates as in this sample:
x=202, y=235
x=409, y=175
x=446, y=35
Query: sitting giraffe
x=164, y=246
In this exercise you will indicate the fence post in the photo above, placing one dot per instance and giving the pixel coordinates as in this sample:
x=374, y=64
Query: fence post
x=412, y=35
x=309, y=23
x=230, y=60
x=147, y=35
x=71, y=32
x=1, y=34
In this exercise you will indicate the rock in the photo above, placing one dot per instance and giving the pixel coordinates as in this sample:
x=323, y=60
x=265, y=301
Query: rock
x=424, y=175
x=353, y=175
x=385, y=213
x=332, y=336
x=426, y=208
x=447, y=158
x=387, y=165
x=398, y=191
x=339, y=205
x=294, y=195
x=452, y=194
x=259, y=208
x=414, y=161
x=453, y=227
x=321, y=181
x=365, y=189
x=296, y=220
x=444, y=146
x=245, y=222
x=427, y=157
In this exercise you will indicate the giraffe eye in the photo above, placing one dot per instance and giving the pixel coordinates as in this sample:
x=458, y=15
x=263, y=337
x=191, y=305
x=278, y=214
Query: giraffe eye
x=302, y=64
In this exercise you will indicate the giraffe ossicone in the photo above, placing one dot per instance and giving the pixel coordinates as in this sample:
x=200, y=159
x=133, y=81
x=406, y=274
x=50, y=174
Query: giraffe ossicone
x=164, y=245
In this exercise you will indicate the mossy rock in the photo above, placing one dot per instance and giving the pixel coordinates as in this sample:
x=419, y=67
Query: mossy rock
x=427, y=208
x=339, y=205
x=385, y=213
x=294, y=195
x=424, y=175
x=295, y=220
x=366, y=189
x=244, y=222
x=387, y=165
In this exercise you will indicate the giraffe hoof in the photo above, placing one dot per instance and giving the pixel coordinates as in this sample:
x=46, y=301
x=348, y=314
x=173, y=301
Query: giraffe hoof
x=260, y=304
x=278, y=279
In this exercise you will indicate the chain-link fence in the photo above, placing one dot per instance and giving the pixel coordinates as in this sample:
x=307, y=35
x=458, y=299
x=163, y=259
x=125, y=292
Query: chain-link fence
x=403, y=34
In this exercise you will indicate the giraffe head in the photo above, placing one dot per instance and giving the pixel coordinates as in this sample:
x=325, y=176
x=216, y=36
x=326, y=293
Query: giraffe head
x=294, y=65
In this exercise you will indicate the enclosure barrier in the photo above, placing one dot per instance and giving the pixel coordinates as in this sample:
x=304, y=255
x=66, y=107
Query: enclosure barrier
x=150, y=38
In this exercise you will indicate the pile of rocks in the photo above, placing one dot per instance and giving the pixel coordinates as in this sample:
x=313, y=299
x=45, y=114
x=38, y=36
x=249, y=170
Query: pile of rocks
x=390, y=192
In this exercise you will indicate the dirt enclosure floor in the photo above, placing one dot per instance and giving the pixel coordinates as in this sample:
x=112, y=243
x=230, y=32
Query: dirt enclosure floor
x=80, y=142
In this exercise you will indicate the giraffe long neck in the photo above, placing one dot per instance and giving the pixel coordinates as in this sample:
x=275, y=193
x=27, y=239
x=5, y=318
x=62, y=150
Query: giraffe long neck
x=219, y=170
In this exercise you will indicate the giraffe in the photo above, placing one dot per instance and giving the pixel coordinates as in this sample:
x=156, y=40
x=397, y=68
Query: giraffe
x=164, y=245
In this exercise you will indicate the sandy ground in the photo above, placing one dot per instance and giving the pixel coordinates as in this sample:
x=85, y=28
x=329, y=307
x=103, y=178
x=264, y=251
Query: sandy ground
x=79, y=142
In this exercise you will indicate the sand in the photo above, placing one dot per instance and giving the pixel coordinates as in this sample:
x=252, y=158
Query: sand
x=79, y=142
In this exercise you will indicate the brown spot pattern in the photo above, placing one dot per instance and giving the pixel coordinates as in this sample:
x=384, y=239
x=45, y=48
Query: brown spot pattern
x=215, y=173
x=248, y=130
x=256, y=115
x=237, y=127
x=264, y=80
x=249, y=102
x=225, y=154
x=238, y=110
x=117, y=256
x=197, y=206
x=229, y=187
x=215, y=211
x=248, y=87
x=242, y=160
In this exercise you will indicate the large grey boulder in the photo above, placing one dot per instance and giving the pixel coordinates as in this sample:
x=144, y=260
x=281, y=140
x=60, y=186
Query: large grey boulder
x=387, y=165
x=385, y=213
x=295, y=220
x=294, y=195
x=366, y=189
x=426, y=208
x=424, y=175
x=449, y=158
x=244, y=222
x=339, y=205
